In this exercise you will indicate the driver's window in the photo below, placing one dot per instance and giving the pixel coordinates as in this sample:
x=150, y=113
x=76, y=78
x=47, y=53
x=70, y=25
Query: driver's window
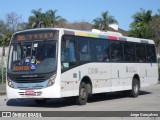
x=16, y=56
x=68, y=53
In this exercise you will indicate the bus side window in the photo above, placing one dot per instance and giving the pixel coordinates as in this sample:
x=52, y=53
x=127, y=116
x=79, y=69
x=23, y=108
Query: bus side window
x=102, y=50
x=129, y=52
x=68, y=54
x=151, y=54
x=83, y=49
x=86, y=49
x=140, y=52
x=116, y=51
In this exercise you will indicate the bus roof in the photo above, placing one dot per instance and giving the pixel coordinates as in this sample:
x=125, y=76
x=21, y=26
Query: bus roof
x=95, y=34
x=106, y=35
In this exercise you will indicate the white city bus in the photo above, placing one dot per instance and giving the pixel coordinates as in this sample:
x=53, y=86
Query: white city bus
x=56, y=63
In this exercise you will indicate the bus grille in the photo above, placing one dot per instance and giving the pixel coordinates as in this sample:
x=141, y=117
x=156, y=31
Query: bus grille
x=30, y=80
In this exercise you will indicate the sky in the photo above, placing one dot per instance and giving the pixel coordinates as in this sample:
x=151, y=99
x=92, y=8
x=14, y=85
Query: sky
x=81, y=10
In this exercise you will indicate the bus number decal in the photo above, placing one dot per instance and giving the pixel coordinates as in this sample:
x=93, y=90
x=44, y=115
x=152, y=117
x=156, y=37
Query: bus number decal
x=93, y=70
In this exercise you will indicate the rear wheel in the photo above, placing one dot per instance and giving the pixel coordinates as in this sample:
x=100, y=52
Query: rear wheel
x=135, y=88
x=83, y=94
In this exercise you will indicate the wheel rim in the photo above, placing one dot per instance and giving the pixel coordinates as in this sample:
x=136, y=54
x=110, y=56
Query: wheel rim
x=83, y=93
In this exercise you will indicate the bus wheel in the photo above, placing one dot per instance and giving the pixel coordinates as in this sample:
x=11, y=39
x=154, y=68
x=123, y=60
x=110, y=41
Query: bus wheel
x=40, y=101
x=83, y=94
x=135, y=88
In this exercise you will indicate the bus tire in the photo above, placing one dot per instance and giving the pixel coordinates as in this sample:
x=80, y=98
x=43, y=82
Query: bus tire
x=135, y=88
x=83, y=94
x=40, y=101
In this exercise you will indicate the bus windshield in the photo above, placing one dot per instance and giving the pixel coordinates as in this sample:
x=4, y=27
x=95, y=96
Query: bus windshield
x=33, y=57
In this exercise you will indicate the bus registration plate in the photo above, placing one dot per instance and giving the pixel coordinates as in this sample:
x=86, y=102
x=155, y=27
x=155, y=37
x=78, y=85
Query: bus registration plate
x=29, y=92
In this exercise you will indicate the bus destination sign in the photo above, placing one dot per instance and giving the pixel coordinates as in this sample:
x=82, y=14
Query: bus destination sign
x=34, y=36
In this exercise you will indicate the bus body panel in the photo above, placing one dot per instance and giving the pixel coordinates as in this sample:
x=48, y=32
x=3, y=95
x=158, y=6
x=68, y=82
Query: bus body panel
x=148, y=73
x=70, y=82
x=104, y=80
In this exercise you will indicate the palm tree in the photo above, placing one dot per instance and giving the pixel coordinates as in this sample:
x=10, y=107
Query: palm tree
x=52, y=18
x=37, y=18
x=48, y=19
x=140, y=25
x=97, y=23
x=104, y=21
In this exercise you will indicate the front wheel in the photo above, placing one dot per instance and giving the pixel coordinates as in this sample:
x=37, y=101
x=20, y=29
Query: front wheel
x=83, y=94
x=135, y=88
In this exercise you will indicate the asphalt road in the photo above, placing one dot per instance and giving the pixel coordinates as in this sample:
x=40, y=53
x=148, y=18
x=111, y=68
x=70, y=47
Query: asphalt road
x=148, y=100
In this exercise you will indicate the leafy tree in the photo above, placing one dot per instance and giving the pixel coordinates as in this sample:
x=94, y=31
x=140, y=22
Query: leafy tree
x=13, y=21
x=3, y=27
x=140, y=25
x=154, y=25
x=103, y=22
x=9, y=25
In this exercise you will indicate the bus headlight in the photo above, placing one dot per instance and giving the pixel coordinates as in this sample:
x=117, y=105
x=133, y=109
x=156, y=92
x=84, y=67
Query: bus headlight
x=51, y=80
x=10, y=83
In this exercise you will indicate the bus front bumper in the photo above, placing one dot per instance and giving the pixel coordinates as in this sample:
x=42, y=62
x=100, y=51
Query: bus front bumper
x=48, y=92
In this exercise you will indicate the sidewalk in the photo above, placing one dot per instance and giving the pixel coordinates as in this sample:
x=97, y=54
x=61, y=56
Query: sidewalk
x=3, y=89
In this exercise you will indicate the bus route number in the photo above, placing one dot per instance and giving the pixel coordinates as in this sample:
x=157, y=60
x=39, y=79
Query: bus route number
x=93, y=70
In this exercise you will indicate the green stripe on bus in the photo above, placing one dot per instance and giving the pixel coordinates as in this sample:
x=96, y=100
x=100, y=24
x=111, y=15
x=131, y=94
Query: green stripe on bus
x=93, y=35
